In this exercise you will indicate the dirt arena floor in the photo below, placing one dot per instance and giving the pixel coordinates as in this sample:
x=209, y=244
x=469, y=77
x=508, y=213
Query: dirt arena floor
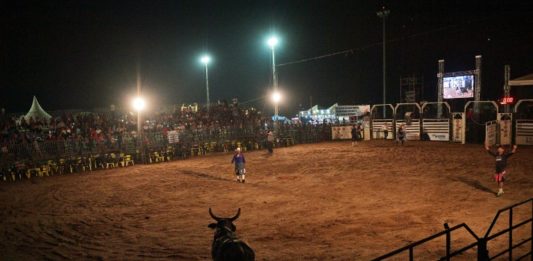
x=327, y=201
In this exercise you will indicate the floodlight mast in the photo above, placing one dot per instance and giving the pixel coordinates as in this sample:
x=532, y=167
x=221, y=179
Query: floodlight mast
x=272, y=42
x=205, y=60
x=383, y=15
x=138, y=105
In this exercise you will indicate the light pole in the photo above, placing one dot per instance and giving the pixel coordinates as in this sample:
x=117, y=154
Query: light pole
x=383, y=15
x=272, y=42
x=139, y=104
x=205, y=60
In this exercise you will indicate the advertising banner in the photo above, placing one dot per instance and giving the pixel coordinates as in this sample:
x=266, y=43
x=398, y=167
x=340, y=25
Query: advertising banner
x=506, y=128
x=439, y=137
x=341, y=132
x=490, y=133
x=458, y=128
x=173, y=137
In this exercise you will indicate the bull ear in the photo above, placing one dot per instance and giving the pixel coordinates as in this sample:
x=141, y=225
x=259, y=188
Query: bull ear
x=212, y=225
x=236, y=216
x=213, y=215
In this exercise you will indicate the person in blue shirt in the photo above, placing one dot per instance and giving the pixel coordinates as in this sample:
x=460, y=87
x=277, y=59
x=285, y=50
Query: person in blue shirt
x=240, y=171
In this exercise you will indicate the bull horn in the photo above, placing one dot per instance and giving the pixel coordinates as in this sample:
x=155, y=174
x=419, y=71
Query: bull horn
x=213, y=215
x=237, y=215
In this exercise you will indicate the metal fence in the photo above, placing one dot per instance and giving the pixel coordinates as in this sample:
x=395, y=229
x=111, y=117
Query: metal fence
x=218, y=140
x=481, y=243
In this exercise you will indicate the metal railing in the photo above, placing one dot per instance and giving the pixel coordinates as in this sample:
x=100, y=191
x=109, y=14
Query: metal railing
x=480, y=242
x=447, y=232
x=509, y=231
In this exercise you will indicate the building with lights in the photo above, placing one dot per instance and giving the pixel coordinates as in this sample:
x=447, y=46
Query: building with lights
x=334, y=113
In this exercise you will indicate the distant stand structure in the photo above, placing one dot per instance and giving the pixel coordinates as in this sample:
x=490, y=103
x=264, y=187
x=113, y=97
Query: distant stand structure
x=411, y=88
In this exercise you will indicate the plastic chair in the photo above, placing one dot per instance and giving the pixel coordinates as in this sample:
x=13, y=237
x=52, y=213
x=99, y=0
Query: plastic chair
x=158, y=157
x=128, y=159
x=45, y=170
x=54, y=169
x=111, y=161
x=169, y=153
x=121, y=160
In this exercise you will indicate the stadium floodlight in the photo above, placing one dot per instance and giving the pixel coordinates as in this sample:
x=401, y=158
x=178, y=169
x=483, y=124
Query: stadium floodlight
x=205, y=59
x=272, y=41
x=138, y=103
x=276, y=97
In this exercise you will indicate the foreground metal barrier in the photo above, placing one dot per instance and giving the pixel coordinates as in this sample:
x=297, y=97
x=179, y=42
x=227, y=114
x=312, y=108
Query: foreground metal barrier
x=509, y=230
x=480, y=242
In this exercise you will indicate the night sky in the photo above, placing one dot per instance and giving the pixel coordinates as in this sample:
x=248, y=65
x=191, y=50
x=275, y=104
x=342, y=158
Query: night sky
x=83, y=54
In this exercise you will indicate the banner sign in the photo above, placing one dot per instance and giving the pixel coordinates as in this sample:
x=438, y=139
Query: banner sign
x=490, y=133
x=173, y=137
x=458, y=128
x=341, y=132
x=506, y=128
x=439, y=137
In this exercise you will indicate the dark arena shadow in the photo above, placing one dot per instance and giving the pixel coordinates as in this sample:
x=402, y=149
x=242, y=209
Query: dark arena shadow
x=473, y=183
x=203, y=175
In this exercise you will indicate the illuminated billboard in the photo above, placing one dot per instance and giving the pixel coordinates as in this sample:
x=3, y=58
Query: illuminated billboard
x=458, y=87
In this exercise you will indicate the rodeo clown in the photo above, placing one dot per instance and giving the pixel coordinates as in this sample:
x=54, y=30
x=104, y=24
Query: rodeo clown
x=238, y=159
x=501, y=157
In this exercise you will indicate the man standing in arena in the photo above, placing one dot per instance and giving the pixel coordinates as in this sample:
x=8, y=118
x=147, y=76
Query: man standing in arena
x=355, y=135
x=501, y=157
x=270, y=142
x=240, y=171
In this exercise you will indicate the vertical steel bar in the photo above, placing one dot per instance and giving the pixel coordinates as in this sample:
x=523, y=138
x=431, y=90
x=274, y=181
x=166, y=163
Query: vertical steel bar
x=511, y=234
x=411, y=257
x=448, y=244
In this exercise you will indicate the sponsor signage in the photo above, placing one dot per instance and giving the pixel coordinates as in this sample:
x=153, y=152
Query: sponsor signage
x=341, y=133
x=439, y=136
x=173, y=137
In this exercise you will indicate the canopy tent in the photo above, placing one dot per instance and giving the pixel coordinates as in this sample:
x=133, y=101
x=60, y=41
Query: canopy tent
x=36, y=112
x=522, y=81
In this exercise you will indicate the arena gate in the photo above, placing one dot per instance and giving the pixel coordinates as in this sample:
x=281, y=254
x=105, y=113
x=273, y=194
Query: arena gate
x=408, y=115
x=379, y=122
x=475, y=120
x=437, y=128
x=524, y=122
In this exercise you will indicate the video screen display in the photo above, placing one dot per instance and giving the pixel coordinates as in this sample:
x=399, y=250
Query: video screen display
x=458, y=87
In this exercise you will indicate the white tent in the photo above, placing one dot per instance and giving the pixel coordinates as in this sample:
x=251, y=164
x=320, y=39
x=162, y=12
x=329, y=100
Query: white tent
x=36, y=112
x=522, y=81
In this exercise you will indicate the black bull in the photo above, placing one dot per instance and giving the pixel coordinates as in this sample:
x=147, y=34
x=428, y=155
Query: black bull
x=226, y=244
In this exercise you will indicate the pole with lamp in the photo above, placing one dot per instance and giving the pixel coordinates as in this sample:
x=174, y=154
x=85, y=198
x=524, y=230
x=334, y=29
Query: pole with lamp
x=383, y=15
x=139, y=104
x=272, y=42
x=205, y=60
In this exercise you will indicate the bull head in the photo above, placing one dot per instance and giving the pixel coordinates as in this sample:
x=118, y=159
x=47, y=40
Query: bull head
x=224, y=222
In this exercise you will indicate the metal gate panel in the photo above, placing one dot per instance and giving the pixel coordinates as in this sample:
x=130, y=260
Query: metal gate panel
x=437, y=129
x=524, y=132
x=412, y=130
x=378, y=125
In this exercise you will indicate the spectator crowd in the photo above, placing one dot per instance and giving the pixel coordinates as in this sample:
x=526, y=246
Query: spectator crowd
x=69, y=134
